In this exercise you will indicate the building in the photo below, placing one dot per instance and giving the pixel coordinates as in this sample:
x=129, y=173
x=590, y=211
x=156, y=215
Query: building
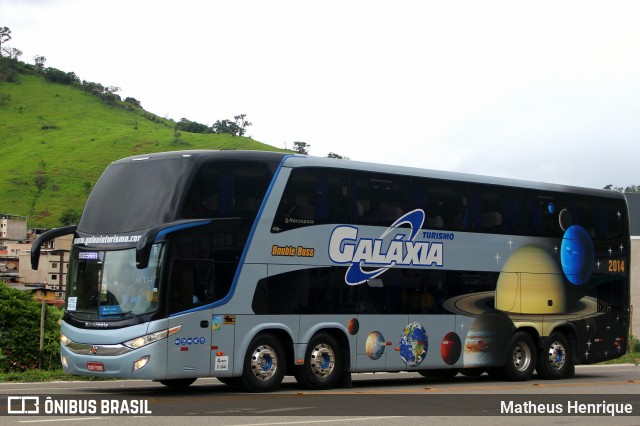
x=15, y=258
x=633, y=200
x=40, y=294
x=13, y=227
x=13, y=237
x=53, y=267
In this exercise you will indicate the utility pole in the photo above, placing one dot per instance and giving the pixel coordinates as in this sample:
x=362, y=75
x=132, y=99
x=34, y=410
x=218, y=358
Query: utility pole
x=42, y=310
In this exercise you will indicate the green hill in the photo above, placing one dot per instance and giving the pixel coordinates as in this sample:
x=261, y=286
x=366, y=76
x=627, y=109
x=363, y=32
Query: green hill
x=56, y=140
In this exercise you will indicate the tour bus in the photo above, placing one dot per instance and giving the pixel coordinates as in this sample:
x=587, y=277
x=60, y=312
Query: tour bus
x=248, y=266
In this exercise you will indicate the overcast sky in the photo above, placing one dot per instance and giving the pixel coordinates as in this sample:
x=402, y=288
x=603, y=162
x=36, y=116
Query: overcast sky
x=537, y=90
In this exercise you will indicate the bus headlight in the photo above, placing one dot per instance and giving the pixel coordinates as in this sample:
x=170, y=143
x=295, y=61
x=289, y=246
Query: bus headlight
x=141, y=363
x=141, y=341
x=64, y=340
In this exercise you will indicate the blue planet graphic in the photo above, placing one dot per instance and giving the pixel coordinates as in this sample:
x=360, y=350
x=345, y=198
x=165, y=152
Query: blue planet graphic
x=414, y=344
x=577, y=254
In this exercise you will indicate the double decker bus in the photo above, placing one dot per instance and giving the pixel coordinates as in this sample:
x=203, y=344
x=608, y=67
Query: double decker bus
x=249, y=266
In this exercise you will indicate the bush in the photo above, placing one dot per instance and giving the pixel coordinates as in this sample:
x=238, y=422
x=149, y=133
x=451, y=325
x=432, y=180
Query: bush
x=20, y=332
x=57, y=76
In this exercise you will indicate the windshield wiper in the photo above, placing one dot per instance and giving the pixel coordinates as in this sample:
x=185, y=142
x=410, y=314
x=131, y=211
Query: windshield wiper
x=131, y=314
x=80, y=311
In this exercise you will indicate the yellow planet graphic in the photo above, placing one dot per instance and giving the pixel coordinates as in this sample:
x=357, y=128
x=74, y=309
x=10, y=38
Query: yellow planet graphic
x=531, y=282
x=530, y=287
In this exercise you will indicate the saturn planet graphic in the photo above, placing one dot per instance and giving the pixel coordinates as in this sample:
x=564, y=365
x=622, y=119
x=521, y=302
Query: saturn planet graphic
x=531, y=283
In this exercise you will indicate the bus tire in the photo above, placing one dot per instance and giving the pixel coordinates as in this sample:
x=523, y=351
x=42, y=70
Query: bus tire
x=264, y=364
x=521, y=357
x=322, y=368
x=555, y=359
x=177, y=383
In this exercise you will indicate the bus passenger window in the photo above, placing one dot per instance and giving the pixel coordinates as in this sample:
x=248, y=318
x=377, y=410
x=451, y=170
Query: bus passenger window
x=443, y=202
x=612, y=218
x=379, y=199
x=584, y=213
x=313, y=196
x=227, y=189
x=541, y=217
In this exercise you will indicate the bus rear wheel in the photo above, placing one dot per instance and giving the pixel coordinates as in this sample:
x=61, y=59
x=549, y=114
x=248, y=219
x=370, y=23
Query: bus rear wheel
x=521, y=357
x=264, y=364
x=322, y=366
x=177, y=383
x=555, y=360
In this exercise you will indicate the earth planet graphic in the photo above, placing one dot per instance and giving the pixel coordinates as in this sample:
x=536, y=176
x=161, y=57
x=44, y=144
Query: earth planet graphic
x=374, y=345
x=414, y=344
x=577, y=255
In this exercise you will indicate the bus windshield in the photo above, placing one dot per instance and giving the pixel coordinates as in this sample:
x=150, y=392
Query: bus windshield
x=107, y=284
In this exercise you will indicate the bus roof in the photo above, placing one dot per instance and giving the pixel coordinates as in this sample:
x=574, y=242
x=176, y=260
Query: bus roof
x=308, y=161
x=299, y=160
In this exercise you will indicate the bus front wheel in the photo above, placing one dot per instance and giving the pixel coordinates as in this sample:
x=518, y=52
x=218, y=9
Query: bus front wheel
x=264, y=364
x=521, y=357
x=322, y=366
x=555, y=360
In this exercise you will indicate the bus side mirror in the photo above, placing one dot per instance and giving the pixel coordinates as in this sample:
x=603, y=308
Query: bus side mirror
x=48, y=236
x=157, y=233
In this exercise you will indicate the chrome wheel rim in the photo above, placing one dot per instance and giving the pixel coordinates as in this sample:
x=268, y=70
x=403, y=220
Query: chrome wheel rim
x=557, y=355
x=264, y=362
x=521, y=356
x=322, y=360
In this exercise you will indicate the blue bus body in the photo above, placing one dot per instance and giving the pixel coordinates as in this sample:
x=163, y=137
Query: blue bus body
x=248, y=266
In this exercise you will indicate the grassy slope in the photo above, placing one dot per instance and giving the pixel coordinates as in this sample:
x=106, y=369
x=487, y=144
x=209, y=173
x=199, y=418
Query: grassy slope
x=68, y=137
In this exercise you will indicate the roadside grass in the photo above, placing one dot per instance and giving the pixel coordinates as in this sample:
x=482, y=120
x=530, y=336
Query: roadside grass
x=36, y=376
x=629, y=358
x=56, y=141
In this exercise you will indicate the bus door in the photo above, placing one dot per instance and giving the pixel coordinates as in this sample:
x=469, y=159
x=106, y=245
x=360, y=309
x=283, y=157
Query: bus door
x=380, y=332
x=377, y=339
x=190, y=291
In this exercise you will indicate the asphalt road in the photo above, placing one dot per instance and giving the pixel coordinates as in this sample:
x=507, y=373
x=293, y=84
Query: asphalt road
x=373, y=399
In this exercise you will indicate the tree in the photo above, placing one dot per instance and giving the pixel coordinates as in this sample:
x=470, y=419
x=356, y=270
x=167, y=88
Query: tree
x=39, y=61
x=5, y=36
x=13, y=53
x=630, y=188
x=57, y=76
x=338, y=156
x=241, y=124
x=192, y=126
x=20, y=338
x=301, y=147
x=238, y=127
x=70, y=217
x=225, y=126
x=132, y=101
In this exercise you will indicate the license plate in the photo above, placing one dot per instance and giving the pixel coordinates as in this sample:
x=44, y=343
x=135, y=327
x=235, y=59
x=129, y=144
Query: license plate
x=95, y=366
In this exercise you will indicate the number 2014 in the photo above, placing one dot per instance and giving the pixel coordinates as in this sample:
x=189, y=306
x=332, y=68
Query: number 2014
x=616, y=265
